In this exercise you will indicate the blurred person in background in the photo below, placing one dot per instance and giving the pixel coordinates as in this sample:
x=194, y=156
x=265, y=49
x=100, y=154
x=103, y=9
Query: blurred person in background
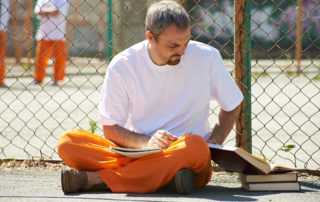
x=5, y=16
x=51, y=39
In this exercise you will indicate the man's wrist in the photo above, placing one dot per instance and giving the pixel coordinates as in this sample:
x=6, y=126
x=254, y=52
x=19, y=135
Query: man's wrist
x=215, y=138
x=212, y=141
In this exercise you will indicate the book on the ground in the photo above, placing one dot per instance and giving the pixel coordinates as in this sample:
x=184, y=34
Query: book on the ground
x=134, y=153
x=236, y=159
x=277, y=177
x=272, y=186
x=137, y=153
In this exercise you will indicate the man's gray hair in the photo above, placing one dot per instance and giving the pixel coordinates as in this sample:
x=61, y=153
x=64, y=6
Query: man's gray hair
x=162, y=14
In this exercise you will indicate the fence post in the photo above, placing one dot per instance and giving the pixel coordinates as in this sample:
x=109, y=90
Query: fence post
x=16, y=35
x=35, y=30
x=110, y=25
x=71, y=24
x=29, y=25
x=299, y=35
x=242, y=48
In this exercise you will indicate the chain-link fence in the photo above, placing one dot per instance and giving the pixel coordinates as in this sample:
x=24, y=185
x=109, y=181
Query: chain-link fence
x=285, y=95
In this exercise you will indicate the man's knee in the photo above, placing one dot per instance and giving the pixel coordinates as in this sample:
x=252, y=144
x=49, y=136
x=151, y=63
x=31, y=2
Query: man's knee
x=66, y=140
x=197, y=147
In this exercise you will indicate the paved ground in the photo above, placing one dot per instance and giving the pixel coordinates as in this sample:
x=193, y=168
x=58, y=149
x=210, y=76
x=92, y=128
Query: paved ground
x=45, y=186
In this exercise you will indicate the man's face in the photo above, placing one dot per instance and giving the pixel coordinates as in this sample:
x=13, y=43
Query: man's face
x=171, y=44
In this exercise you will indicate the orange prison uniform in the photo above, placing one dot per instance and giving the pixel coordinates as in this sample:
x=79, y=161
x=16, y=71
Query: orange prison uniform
x=44, y=50
x=3, y=45
x=83, y=150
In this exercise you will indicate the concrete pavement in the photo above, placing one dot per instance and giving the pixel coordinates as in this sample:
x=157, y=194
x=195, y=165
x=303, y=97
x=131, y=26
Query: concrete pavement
x=43, y=184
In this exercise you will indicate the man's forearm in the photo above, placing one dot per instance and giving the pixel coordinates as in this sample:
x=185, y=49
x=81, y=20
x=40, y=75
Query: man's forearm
x=48, y=12
x=124, y=137
x=224, y=125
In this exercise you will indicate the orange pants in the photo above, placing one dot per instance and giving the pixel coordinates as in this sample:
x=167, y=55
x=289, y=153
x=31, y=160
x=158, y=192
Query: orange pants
x=44, y=50
x=3, y=46
x=83, y=150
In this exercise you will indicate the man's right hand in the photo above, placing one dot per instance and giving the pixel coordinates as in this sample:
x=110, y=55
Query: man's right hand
x=49, y=12
x=161, y=139
x=128, y=139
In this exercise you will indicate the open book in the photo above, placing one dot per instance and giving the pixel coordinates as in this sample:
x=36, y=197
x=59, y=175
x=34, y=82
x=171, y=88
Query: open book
x=134, y=153
x=235, y=159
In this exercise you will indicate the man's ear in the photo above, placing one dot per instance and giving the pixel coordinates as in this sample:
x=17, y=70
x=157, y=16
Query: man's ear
x=150, y=37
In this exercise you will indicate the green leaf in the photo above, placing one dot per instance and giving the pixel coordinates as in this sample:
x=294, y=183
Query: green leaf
x=287, y=148
x=93, y=126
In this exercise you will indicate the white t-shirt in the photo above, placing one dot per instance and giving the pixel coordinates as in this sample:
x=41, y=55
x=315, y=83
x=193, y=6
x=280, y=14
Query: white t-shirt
x=144, y=97
x=52, y=28
x=5, y=14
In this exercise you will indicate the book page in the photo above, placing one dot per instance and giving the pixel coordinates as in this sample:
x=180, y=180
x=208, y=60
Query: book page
x=276, y=168
x=134, y=153
x=218, y=146
x=259, y=162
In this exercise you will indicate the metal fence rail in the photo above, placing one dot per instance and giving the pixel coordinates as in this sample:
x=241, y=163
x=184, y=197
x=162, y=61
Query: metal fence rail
x=285, y=93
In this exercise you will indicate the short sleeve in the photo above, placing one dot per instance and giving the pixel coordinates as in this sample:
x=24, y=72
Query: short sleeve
x=37, y=7
x=62, y=6
x=222, y=86
x=113, y=106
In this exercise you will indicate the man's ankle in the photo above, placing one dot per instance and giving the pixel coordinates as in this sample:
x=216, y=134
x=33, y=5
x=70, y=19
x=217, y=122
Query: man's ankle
x=94, y=181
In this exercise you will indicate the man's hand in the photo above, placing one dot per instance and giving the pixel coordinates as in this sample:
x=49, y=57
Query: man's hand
x=161, y=139
x=49, y=12
x=128, y=139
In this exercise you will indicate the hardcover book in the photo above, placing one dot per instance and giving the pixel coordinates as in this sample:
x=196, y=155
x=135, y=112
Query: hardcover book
x=272, y=186
x=278, y=177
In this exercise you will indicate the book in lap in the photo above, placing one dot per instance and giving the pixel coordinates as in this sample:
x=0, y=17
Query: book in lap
x=134, y=153
x=236, y=159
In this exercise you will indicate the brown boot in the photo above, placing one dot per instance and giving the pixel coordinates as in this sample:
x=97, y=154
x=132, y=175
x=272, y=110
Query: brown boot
x=73, y=181
x=183, y=181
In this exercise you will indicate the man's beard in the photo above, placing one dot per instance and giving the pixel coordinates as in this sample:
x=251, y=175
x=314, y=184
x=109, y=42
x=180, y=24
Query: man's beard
x=174, y=62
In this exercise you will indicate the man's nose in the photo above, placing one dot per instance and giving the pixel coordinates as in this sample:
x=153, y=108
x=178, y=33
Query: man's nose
x=181, y=50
